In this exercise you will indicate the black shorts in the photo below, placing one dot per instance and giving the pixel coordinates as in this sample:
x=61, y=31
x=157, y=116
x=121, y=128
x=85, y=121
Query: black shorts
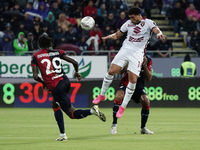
x=136, y=95
x=60, y=92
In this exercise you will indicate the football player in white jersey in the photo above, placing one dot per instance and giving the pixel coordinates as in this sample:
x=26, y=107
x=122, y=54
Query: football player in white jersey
x=132, y=51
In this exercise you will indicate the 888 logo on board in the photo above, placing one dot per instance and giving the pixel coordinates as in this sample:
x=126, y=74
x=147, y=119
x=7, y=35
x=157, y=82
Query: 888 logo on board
x=156, y=93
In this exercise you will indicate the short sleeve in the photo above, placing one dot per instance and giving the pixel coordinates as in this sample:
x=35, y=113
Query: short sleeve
x=152, y=24
x=33, y=61
x=62, y=53
x=124, y=27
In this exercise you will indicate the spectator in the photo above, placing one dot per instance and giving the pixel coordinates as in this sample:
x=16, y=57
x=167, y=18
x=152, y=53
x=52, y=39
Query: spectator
x=68, y=2
x=21, y=29
x=77, y=13
x=37, y=20
x=111, y=21
x=137, y=3
x=114, y=10
x=42, y=11
x=2, y=23
x=29, y=8
x=66, y=10
x=159, y=4
x=71, y=35
x=28, y=24
x=6, y=7
x=96, y=33
x=9, y=32
x=45, y=29
x=163, y=45
x=32, y=44
x=102, y=11
x=152, y=45
x=121, y=20
x=147, y=5
x=95, y=37
x=197, y=4
x=60, y=4
x=50, y=18
x=36, y=31
x=17, y=7
x=194, y=42
x=189, y=25
x=117, y=44
x=20, y=45
x=188, y=68
x=192, y=11
x=82, y=44
x=184, y=3
x=55, y=10
x=89, y=10
x=62, y=22
x=177, y=17
x=6, y=46
x=98, y=3
x=59, y=36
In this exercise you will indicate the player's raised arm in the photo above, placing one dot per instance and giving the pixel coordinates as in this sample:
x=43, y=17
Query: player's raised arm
x=75, y=64
x=113, y=36
x=159, y=33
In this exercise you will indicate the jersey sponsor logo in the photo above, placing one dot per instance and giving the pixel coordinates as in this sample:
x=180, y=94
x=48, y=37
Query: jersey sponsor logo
x=132, y=39
x=131, y=25
x=137, y=30
x=48, y=54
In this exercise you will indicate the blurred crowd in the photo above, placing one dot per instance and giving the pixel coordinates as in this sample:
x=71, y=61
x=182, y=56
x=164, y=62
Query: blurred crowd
x=23, y=21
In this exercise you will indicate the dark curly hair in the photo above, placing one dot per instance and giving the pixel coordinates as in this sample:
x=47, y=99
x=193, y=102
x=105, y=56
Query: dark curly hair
x=45, y=41
x=134, y=10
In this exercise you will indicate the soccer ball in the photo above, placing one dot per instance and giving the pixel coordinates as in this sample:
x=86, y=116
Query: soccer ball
x=87, y=23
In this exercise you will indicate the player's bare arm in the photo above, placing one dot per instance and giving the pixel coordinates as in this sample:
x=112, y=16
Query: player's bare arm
x=148, y=74
x=159, y=33
x=114, y=36
x=75, y=64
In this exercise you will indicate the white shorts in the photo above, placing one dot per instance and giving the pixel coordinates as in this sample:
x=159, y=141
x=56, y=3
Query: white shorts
x=134, y=58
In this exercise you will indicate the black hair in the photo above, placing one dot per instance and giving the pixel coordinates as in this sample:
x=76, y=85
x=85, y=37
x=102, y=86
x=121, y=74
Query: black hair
x=187, y=58
x=134, y=10
x=45, y=41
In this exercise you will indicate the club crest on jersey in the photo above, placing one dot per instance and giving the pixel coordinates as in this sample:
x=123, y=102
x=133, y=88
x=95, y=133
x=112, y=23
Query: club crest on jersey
x=142, y=23
x=136, y=30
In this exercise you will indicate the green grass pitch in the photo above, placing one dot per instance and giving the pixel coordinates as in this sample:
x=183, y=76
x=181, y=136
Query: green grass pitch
x=36, y=129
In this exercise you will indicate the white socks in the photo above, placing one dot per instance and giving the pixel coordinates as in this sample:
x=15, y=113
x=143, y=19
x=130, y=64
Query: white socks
x=106, y=83
x=129, y=92
x=62, y=134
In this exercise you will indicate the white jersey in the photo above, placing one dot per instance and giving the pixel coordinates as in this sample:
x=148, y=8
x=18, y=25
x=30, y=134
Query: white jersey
x=137, y=35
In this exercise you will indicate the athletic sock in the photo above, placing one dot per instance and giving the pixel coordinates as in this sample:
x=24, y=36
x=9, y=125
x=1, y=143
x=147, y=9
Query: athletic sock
x=115, y=109
x=144, y=116
x=129, y=92
x=59, y=118
x=79, y=114
x=106, y=83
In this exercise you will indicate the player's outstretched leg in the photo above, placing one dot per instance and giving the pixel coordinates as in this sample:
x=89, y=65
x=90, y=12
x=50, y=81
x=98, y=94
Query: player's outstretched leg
x=98, y=113
x=106, y=83
x=145, y=114
x=128, y=94
x=80, y=114
x=116, y=105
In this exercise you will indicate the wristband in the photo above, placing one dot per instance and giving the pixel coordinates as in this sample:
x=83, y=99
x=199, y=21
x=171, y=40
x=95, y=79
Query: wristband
x=160, y=33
